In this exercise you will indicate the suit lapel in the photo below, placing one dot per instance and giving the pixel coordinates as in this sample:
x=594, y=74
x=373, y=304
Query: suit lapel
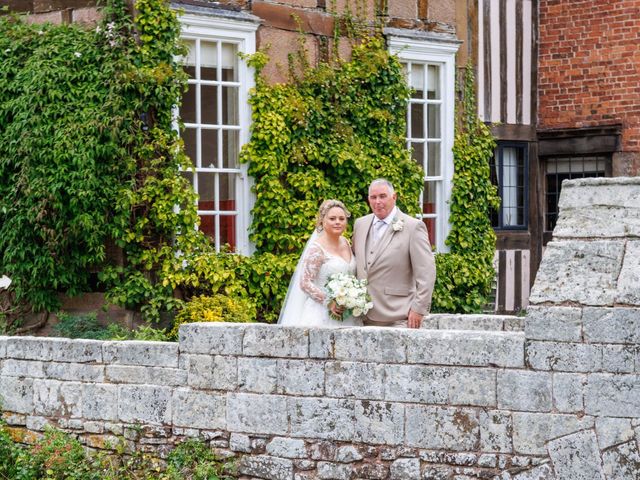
x=382, y=244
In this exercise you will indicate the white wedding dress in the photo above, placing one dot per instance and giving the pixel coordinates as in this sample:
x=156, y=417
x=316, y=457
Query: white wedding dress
x=307, y=286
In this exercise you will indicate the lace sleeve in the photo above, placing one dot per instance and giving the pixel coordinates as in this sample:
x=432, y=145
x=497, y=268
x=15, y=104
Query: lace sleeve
x=311, y=267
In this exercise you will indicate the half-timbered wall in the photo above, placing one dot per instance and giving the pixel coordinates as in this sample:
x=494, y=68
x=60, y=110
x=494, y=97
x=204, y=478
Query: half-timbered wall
x=506, y=41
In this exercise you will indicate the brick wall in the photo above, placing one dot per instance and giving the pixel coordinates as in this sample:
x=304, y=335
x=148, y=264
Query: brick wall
x=589, y=66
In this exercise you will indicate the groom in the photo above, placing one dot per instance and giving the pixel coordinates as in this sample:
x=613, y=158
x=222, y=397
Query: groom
x=393, y=253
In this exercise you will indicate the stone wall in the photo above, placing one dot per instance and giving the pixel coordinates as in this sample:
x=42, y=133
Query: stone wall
x=462, y=398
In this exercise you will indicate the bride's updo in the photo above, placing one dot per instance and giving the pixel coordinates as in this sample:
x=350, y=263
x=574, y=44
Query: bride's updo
x=324, y=209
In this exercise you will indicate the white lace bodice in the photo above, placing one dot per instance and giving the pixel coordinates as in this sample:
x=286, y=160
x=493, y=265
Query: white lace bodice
x=318, y=266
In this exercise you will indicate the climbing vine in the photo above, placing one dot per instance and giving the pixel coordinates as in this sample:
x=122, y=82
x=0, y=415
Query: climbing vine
x=326, y=134
x=465, y=274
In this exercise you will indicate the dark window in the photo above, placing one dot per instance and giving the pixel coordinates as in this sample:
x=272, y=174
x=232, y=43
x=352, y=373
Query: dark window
x=558, y=169
x=509, y=173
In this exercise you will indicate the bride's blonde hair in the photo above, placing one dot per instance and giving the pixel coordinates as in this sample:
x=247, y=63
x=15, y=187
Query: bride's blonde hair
x=324, y=209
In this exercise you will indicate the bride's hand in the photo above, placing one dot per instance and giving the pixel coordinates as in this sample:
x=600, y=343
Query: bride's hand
x=336, y=309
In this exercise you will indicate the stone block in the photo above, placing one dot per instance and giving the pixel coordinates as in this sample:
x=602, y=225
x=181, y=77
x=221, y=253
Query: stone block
x=78, y=372
x=258, y=375
x=468, y=348
x=562, y=324
x=487, y=460
x=79, y=351
x=628, y=292
x=576, y=456
x=100, y=402
x=622, y=462
x=354, y=380
x=3, y=347
x=145, y=375
x=86, y=16
x=22, y=368
x=611, y=325
x=585, y=193
x=568, y=392
x=378, y=422
x=384, y=345
x=300, y=377
x=348, y=454
x=495, y=431
x=612, y=431
x=334, y=471
x=287, y=447
x=211, y=372
x=618, y=358
x=524, y=391
x=275, y=341
x=212, y=338
x=257, y=414
x=440, y=385
x=202, y=409
x=60, y=399
x=373, y=471
x=563, y=357
x=447, y=321
x=405, y=469
x=613, y=395
x=321, y=418
x=144, y=404
x=539, y=472
x=531, y=431
x=37, y=424
x=444, y=428
x=141, y=353
x=34, y=348
x=266, y=467
x=16, y=394
x=321, y=343
x=581, y=272
x=240, y=443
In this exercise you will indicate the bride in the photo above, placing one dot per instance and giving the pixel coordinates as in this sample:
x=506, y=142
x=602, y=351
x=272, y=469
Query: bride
x=327, y=252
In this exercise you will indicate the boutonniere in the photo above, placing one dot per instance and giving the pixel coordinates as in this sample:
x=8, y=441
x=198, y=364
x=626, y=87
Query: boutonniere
x=397, y=225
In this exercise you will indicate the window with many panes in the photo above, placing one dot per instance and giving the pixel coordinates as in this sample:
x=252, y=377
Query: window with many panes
x=562, y=168
x=430, y=71
x=509, y=167
x=216, y=120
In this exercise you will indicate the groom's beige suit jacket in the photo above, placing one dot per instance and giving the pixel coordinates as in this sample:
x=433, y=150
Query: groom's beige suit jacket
x=400, y=268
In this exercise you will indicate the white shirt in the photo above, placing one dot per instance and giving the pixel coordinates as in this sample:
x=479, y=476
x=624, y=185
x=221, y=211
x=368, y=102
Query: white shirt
x=380, y=226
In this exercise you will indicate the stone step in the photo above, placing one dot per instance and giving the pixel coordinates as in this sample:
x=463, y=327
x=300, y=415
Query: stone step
x=486, y=322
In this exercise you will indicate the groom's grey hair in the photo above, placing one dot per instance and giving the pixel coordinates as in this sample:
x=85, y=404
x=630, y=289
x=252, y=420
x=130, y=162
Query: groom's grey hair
x=382, y=181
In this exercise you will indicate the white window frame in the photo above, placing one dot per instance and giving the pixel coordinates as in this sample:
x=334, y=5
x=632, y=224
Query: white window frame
x=242, y=32
x=419, y=47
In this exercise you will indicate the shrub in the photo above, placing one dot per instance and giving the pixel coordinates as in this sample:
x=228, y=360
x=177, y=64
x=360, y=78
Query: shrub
x=217, y=308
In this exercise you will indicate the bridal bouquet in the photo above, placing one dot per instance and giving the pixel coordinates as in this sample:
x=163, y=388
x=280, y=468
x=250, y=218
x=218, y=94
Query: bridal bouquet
x=348, y=292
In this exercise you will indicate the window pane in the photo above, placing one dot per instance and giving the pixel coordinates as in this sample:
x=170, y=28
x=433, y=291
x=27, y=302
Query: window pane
x=207, y=225
x=209, y=148
x=230, y=106
x=190, y=146
x=188, y=107
x=431, y=230
x=227, y=191
x=209, y=102
x=417, y=120
x=206, y=190
x=228, y=230
x=417, y=80
x=208, y=60
x=429, y=197
x=229, y=62
x=188, y=175
x=418, y=153
x=433, y=161
x=433, y=82
x=433, y=117
x=230, y=148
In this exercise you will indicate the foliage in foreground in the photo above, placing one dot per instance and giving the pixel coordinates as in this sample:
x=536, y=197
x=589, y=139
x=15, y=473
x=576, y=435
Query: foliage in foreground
x=58, y=456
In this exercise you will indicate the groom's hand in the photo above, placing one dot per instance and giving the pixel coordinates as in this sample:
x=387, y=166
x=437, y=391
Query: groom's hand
x=414, y=320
